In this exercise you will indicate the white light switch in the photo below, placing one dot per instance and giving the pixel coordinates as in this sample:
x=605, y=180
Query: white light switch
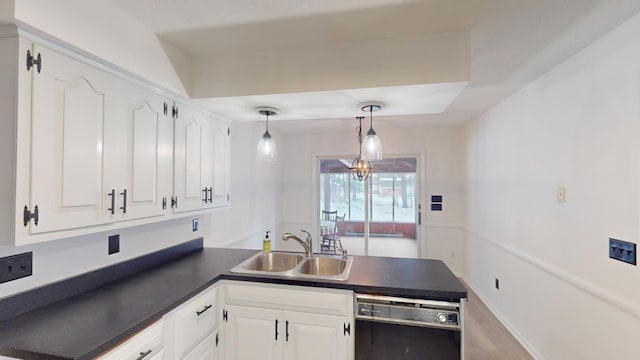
x=561, y=194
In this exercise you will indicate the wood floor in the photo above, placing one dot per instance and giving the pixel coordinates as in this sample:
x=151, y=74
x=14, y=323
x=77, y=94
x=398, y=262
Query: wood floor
x=485, y=337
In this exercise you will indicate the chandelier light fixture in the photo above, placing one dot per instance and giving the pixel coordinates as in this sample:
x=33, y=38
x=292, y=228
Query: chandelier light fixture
x=266, y=146
x=360, y=168
x=372, y=146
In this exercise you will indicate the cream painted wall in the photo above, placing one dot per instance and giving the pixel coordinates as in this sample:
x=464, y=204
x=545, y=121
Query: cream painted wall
x=441, y=151
x=577, y=126
x=439, y=58
x=105, y=31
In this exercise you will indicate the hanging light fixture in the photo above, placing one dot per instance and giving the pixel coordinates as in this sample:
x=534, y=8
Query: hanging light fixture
x=360, y=168
x=372, y=146
x=266, y=146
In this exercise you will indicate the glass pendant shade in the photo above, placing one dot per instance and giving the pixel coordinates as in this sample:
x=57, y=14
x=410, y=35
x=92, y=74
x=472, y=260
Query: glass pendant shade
x=266, y=148
x=372, y=146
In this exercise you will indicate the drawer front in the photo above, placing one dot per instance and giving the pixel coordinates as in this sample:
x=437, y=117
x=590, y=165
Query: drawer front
x=145, y=345
x=194, y=321
x=285, y=297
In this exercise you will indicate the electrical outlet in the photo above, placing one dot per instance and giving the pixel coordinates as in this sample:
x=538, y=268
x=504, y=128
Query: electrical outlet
x=194, y=225
x=622, y=250
x=561, y=194
x=16, y=266
x=114, y=244
x=497, y=284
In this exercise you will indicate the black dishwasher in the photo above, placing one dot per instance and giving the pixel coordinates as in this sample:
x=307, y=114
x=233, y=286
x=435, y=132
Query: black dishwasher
x=399, y=328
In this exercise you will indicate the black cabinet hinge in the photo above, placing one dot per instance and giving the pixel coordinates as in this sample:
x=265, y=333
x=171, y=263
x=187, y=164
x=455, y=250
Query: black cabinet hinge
x=225, y=318
x=174, y=202
x=31, y=61
x=347, y=329
x=174, y=111
x=28, y=215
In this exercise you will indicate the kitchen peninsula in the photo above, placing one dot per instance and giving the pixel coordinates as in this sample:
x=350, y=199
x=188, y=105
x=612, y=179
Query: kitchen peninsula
x=96, y=320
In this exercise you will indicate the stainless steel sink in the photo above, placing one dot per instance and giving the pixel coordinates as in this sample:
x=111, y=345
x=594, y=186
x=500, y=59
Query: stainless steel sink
x=272, y=262
x=323, y=266
x=296, y=266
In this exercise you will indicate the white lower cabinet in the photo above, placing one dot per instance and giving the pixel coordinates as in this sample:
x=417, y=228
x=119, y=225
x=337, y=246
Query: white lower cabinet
x=315, y=336
x=206, y=350
x=147, y=344
x=252, y=333
x=286, y=322
x=192, y=327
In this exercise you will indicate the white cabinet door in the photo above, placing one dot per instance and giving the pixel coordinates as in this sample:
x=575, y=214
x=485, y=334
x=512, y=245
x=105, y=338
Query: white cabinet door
x=135, y=138
x=208, y=162
x=315, y=336
x=206, y=350
x=253, y=333
x=70, y=105
x=189, y=130
x=221, y=153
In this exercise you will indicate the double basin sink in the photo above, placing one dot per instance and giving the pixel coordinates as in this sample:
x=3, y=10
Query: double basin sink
x=296, y=266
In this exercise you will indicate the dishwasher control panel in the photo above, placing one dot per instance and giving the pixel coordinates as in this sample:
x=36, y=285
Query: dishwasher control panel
x=413, y=312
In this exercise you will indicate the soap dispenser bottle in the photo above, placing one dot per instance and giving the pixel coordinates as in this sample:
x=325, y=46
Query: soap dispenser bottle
x=266, y=244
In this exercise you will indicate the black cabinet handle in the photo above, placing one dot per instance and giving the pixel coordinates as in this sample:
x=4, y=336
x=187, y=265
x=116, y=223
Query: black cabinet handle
x=210, y=194
x=276, y=329
x=198, y=313
x=205, y=199
x=124, y=201
x=113, y=201
x=287, y=330
x=143, y=355
x=164, y=203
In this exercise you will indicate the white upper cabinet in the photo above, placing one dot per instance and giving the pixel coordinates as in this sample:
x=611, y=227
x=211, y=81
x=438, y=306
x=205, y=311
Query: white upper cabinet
x=221, y=153
x=189, y=131
x=139, y=158
x=201, y=160
x=87, y=148
x=70, y=107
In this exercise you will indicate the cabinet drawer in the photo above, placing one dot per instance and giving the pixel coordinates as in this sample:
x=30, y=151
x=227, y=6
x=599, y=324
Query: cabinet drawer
x=311, y=300
x=194, y=321
x=146, y=345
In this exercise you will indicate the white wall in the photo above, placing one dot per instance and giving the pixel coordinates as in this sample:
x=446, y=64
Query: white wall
x=577, y=126
x=254, y=200
x=441, y=151
x=60, y=259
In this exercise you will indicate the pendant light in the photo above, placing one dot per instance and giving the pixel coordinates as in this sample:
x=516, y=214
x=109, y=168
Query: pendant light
x=360, y=168
x=266, y=146
x=372, y=146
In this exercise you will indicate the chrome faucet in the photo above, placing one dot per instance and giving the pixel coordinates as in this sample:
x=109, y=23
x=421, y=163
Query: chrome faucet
x=306, y=244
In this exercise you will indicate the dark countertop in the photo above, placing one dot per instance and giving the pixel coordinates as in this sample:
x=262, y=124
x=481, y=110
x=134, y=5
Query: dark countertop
x=86, y=325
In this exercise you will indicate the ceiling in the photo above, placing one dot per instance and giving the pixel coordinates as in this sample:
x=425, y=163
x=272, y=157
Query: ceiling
x=501, y=46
